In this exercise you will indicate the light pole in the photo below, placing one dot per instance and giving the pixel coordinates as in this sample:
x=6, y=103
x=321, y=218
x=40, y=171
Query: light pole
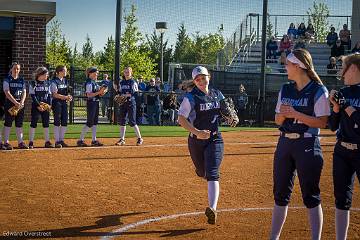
x=161, y=27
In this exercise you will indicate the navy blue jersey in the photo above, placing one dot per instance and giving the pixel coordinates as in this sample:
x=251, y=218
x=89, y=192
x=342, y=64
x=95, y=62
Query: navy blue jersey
x=201, y=110
x=153, y=98
x=348, y=128
x=59, y=86
x=40, y=91
x=312, y=100
x=92, y=87
x=128, y=87
x=15, y=86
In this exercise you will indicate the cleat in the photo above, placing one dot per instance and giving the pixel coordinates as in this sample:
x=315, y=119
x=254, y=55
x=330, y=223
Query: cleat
x=48, y=145
x=58, y=145
x=22, y=145
x=63, y=144
x=81, y=143
x=2, y=147
x=211, y=215
x=121, y=142
x=7, y=146
x=96, y=144
x=31, y=145
x=139, y=141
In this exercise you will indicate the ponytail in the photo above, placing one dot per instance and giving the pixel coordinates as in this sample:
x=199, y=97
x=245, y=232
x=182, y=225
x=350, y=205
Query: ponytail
x=305, y=57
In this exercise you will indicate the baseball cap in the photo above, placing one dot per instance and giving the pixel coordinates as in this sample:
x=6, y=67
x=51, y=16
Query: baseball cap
x=92, y=70
x=199, y=70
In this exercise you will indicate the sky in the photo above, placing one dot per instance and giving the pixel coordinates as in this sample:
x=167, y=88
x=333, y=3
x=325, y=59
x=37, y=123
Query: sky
x=97, y=17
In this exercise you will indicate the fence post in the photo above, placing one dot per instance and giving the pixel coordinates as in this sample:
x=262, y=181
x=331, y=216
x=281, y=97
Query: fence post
x=241, y=29
x=71, y=88
x=234, y=46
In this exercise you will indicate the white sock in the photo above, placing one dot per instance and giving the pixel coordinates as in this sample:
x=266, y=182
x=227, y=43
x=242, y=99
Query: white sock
x=46, y=135
x=213, y=193
x=84, y=130
x=137, y=131
x=32, y=134
x=342, y=221
x=19, y=135
x=6, y=134
x=57, y=133
x=62, y=133
x=316, y=222
x=278, y=220
x=122, y=132
x=93, y=130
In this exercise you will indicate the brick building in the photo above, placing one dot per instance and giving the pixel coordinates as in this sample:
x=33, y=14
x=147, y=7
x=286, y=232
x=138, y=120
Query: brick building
x=23, y=34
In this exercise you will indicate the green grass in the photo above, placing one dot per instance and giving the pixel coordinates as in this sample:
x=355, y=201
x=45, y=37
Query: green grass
x=112, y=131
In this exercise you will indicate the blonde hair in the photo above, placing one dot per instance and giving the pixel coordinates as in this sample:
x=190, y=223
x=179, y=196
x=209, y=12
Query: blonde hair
x=39, y=71
x=352, y=59
x=305, y=57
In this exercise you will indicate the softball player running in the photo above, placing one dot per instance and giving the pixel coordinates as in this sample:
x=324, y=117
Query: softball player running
x=199, y=113
x=39, y=91
x=128, y=87
x=302, y=109
x=93, y=92
x=59, y=90
x=345, y=118
x=15, y=90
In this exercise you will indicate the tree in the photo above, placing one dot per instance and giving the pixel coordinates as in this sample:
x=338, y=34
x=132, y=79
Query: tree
x=107, y=56
x=132, y=54
x=318, y=16
x=183, y=46
x=269, y=28
x=57, y=47
x=153, y=45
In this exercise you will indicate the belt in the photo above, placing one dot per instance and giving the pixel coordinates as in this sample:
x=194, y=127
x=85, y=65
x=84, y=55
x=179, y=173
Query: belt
x=350, y=146
x=212, y=134
x=296, y=135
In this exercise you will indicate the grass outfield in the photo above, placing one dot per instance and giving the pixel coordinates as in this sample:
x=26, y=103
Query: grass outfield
x=112, y=131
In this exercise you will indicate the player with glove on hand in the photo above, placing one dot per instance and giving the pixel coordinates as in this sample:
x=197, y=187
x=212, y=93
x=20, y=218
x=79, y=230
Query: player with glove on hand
x=40, y=93
x=199, y=114
x=15, y=90
x=345, y=120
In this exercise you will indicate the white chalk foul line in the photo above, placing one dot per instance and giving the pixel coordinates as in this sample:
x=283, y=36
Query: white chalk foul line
x=142, y=146
x=127, y=227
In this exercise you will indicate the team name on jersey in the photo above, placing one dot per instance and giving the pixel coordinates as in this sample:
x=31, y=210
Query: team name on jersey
x=41, y=89
x=61, y=86
x=355, y=102
x=301, y=102
x=125, y=86
x=16, y=85
x=209, y=106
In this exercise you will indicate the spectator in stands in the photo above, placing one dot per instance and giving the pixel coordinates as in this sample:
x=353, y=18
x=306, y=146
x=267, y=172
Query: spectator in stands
x=337, y=50
x=170, y=107
x=331, y=37
x=105, y=100
x=300, y=44
x=292, y=31
x=271, y=48
x=310, y=33
x=158, y=83
x=285, y=45
x=344, y=35
x=356, y=49
x=142, y=85
x=241, y=103
x=301, y=30
x=180, y=93
x=153, y=102
x=332, y=67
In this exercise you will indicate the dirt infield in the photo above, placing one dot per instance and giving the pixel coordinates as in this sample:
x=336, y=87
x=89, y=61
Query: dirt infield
x=88, y=193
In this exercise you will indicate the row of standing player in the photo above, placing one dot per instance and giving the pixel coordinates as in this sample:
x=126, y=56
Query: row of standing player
x=303, y=108
x=55, y=93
